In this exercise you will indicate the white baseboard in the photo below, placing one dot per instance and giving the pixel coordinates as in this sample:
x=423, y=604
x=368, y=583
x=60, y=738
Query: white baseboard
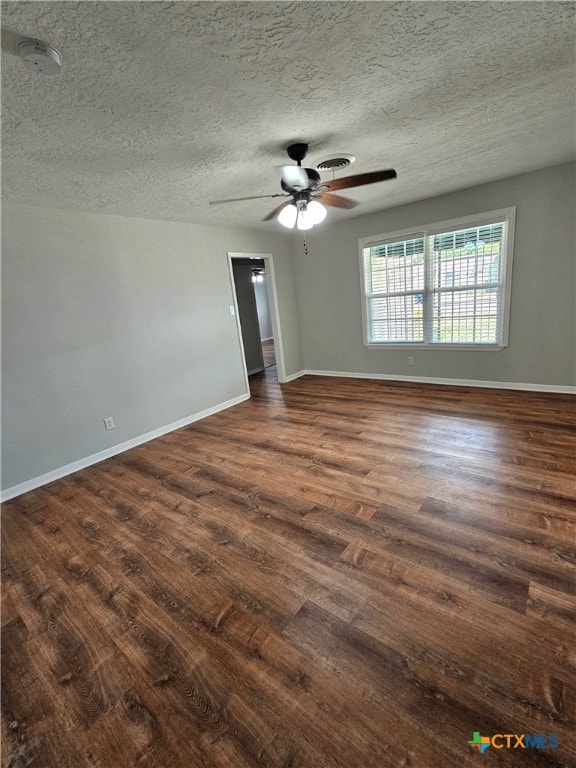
x=95, y=458
x=255, y=370
x=56, y=474
x=268, y=338
x=292, y=377
x=560, y=389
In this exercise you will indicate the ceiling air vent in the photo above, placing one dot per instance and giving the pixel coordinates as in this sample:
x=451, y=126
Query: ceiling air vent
x=343, y=160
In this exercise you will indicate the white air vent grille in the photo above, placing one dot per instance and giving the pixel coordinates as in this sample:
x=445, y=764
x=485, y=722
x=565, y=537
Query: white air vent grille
x=336, y=163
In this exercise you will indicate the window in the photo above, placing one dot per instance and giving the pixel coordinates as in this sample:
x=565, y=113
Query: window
x=442, y=285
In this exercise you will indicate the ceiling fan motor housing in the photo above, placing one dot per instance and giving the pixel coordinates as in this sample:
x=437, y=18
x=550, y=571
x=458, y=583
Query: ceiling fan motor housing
x=313, y=176
x=297, y=152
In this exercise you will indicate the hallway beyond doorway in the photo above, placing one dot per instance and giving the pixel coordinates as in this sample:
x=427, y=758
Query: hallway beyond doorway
x=268, y=353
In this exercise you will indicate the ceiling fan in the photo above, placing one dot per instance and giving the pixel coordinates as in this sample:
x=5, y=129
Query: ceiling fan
x=308, y=194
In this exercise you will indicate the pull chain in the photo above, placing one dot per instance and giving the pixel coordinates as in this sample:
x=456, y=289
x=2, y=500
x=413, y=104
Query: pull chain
x=305, y=244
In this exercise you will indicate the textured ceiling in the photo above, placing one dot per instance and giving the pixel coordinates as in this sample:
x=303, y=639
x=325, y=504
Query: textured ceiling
x=161, y=107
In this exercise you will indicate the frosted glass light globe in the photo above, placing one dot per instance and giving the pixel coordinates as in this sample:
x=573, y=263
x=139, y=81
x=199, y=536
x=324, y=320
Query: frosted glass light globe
x=316, y=211
x=287, y=216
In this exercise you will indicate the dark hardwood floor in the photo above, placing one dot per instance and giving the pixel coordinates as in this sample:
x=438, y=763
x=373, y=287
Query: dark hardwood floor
x=335, y=573
x=268, y=353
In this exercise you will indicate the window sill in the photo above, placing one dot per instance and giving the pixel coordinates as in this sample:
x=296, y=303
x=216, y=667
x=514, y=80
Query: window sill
x=439, y=347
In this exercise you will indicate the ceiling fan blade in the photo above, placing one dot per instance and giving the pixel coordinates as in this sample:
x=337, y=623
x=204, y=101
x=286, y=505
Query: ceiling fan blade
x=336, y=201
x=295, y=177
x=357, y=181
x=274, y=213
x=239, y=199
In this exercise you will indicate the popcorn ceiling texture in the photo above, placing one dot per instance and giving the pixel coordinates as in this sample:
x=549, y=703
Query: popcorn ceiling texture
x=161, y=106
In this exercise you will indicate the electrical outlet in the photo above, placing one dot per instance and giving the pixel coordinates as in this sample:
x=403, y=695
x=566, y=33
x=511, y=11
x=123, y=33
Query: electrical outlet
x=232, y=310
x=410, y=361
x=109, y=423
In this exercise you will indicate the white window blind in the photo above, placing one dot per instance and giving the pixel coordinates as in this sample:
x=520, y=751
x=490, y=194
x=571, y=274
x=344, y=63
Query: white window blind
x=446, y=285
x=394, y=287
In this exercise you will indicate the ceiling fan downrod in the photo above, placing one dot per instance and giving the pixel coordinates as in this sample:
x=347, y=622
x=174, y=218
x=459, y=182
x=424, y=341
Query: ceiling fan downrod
x=297, y=152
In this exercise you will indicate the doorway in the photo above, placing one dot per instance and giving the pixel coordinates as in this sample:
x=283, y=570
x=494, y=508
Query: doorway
x=253, y=281
x=259, y=280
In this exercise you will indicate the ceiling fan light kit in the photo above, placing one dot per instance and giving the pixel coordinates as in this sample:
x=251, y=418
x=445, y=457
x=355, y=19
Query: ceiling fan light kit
x=302, y=214
x=257, y=275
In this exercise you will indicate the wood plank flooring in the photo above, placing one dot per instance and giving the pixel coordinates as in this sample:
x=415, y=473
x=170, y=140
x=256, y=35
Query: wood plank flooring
x=336, y=573
x=268, y=353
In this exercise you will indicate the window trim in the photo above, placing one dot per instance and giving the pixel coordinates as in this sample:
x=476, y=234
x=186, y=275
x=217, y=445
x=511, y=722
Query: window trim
x=508, y=215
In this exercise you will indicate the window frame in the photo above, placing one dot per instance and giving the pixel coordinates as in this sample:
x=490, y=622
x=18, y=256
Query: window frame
x=506, y=215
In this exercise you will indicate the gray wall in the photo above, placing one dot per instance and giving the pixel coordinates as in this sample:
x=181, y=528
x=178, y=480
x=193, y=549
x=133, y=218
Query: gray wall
x=542, y=322
x=248, y=315
x=122, y=317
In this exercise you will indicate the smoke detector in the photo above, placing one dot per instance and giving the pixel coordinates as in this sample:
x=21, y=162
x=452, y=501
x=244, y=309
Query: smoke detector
x=336, y=163
x=39, y=56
